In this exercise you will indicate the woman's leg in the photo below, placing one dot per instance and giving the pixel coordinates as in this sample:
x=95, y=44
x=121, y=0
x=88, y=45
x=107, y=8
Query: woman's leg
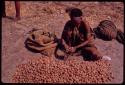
x=17, y=7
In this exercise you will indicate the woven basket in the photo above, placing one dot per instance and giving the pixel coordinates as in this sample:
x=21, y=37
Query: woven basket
x=106, y=30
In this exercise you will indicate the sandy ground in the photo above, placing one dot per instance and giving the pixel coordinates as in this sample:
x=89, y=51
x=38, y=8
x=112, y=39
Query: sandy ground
x=52, y=16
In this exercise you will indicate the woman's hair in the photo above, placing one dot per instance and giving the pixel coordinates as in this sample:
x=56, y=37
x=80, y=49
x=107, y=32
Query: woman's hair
x=75, y=12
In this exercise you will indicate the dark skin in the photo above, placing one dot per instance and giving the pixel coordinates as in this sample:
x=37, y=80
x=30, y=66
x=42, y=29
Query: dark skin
x=89, y=38
x=17, y=7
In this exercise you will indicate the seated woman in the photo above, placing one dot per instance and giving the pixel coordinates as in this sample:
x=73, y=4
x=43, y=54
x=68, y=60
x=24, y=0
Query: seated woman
x=77, y=36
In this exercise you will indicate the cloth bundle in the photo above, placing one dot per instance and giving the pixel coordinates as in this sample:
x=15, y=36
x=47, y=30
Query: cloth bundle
x=39, y=40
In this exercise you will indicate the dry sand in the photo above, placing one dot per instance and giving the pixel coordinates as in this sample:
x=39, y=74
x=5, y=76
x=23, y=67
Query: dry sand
x=52, y=16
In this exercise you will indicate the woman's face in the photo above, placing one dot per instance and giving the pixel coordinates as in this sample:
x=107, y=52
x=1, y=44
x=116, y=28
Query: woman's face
x=77, y=20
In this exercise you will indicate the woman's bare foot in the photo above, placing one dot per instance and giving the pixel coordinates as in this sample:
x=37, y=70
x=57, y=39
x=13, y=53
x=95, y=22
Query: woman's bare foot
x=106, y=58
x=17, y=18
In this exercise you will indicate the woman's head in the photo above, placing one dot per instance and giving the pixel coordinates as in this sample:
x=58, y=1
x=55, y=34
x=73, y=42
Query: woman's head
x=76, y=15
x=75, y=12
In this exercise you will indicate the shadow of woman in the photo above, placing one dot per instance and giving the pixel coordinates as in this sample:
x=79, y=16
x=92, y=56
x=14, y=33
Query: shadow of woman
x=60, y=51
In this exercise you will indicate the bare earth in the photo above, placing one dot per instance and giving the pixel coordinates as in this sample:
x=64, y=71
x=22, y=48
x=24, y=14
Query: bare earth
x=51, y=16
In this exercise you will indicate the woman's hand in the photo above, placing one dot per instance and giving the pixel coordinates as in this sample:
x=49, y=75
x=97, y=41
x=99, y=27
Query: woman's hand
x=73, y=49
x=70, y=49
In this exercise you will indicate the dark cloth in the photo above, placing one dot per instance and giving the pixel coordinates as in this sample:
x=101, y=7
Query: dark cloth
x=73, y=35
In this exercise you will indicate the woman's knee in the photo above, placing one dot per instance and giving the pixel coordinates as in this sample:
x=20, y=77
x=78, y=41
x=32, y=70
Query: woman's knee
x=93, y=53
x=96, y=55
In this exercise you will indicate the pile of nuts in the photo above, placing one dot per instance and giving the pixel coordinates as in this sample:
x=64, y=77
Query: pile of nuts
x=50, y=70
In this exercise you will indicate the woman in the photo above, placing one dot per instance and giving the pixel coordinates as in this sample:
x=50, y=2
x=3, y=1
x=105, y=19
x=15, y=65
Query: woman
x=77, y=35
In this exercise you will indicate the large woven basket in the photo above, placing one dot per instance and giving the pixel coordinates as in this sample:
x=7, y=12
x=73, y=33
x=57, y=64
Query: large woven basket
x=106, y=30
